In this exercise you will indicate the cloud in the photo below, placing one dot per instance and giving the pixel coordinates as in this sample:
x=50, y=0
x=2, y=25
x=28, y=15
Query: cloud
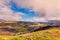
x=36, y=19
x=50, y=8
x=44, y=9
x=39, y=19
x=7, y=14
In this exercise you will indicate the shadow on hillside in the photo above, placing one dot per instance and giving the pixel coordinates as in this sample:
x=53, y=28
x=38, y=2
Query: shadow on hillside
x=8, y=29
x=44, y=28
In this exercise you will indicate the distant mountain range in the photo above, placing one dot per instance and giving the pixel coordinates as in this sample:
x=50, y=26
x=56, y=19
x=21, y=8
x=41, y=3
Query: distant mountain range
x=56, y=22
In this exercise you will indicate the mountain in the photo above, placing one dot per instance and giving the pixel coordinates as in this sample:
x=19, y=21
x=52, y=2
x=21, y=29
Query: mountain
x=22, y=27
x=54, y=22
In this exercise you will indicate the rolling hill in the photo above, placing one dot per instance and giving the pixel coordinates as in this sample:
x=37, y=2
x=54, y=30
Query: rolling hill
x=21, y=30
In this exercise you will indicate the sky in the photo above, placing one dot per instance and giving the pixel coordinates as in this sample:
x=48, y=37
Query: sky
x=30, y=10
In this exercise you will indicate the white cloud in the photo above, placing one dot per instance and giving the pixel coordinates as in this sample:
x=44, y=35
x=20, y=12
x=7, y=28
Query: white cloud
x=37, y=19
x=50, y=7
x=7, y=14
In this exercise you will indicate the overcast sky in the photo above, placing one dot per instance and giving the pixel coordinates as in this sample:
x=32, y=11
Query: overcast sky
x=30, y=10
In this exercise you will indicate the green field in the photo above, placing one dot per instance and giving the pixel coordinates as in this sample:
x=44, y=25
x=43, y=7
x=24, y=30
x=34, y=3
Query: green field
x=49, y=34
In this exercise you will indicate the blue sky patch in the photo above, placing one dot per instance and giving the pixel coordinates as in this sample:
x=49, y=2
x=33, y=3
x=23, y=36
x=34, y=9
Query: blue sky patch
x=27, y=11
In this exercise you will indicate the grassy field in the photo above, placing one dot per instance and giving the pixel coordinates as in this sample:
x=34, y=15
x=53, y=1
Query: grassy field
x=49, y=34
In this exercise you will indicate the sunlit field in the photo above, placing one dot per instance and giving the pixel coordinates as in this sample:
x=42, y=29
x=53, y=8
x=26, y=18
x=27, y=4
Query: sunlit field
x=49, y=34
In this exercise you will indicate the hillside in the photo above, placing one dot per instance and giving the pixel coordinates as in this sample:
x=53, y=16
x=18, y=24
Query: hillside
x=18, y=27
x=49, y=34
x=12, y=28
x=20, y=30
